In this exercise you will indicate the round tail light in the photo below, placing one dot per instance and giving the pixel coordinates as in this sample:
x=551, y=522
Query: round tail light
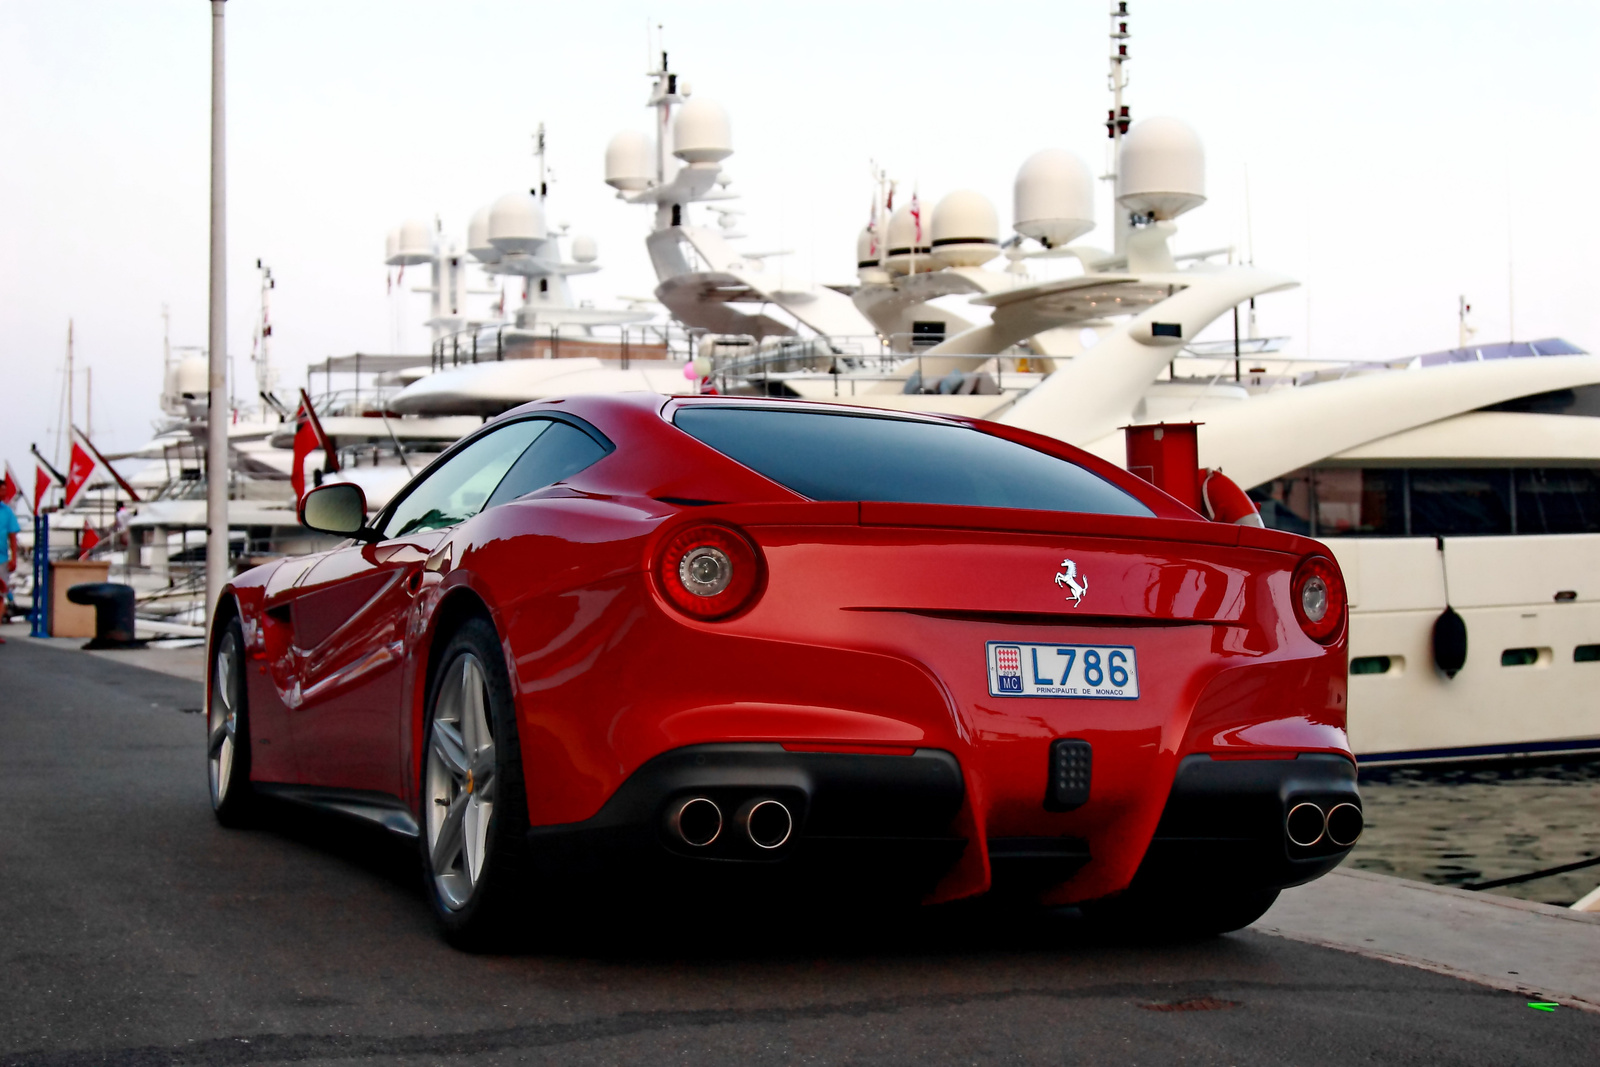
x=709, y=572
x=1319, y=599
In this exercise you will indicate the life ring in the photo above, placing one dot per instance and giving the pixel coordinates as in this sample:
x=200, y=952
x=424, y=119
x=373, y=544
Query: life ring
x=1222, y=500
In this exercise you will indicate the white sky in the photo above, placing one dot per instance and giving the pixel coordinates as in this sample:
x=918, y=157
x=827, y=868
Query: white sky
x=1397, y=152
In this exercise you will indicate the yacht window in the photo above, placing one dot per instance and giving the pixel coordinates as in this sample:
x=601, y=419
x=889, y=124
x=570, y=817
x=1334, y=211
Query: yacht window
x=827, y=456
x=1586, y=654
x=1461, y=502
x=1432, y=501
x=1519, y=657
x=1285, y=503
x=1557, y=500
x=1582, y=400
x=1335, y=501
x=1360, y=501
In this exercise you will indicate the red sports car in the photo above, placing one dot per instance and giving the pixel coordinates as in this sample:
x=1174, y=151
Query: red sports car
x=855, y=651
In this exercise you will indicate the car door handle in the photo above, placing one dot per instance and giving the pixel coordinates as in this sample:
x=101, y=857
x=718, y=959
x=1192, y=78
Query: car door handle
x=414, y=582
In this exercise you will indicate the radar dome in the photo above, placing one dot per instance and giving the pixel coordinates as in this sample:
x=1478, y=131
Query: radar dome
x=1053, y=199
x=478, y=237
x=701, y=133
x=584, y=249
x=516, y=223
x=966, y=230
x=191, y=377
x=1162, y=171
x=628, y=161
x=910, y=243
x=413, y=244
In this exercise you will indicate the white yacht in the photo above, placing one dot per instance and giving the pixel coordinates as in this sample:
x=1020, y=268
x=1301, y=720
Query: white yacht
x=1459, y=490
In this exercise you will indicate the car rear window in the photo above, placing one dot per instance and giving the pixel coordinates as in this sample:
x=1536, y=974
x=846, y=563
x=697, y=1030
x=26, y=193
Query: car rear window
x=829, y=456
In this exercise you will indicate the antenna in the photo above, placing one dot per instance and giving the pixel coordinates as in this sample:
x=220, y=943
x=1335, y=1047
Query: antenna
x=538, y=151
x=1117, y=119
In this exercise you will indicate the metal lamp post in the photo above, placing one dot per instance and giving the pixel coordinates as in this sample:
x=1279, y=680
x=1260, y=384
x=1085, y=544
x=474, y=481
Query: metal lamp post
x=217, y=417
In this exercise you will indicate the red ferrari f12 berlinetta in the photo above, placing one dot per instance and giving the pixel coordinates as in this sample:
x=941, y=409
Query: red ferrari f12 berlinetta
x=713, y=639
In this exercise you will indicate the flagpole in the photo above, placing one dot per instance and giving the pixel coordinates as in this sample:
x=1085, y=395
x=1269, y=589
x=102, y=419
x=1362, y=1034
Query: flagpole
x=217, y=416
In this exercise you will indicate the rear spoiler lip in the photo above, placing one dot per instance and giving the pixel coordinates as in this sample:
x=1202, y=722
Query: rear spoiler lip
x=873, y=513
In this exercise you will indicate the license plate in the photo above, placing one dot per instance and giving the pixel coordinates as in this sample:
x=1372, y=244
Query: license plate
x=1028, y=670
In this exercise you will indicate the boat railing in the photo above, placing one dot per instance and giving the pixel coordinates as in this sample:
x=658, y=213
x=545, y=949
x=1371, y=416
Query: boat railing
x=493, y=343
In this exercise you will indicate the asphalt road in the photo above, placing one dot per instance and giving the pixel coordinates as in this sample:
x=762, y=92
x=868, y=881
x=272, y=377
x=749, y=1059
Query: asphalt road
x=136, y=931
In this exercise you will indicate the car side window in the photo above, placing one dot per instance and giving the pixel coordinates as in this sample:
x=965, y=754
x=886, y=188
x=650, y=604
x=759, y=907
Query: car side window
x=560, y=452
x=461, y=486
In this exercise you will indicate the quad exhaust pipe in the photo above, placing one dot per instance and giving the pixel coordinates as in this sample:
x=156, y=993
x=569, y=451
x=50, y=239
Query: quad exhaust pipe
x=697, y=822
x=767, y=823
x=1345, y=823
x=1307, y=824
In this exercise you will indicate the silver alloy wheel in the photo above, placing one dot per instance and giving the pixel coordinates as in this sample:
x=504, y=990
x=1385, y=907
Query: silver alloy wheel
x=223, y=720
x=459, y=795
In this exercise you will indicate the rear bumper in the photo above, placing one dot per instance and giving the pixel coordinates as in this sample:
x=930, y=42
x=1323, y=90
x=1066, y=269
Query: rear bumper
x=887, y=825
x=1223, y=824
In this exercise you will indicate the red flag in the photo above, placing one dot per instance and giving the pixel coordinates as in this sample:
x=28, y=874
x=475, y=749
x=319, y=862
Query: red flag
x=308, y=437
x=90, y=539
x=8, y=487
x=304, y=441
x=101, y=460
x=78, y=472
x=42, y=480
x=916, y=218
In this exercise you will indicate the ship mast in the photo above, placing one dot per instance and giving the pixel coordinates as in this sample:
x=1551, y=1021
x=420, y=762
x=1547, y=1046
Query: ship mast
x=266, y=381
x=1118, y=120
x=663, y=94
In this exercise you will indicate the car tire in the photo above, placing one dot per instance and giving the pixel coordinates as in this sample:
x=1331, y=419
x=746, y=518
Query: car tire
x=475, y=812
x=233, y=801
x=1179, y=915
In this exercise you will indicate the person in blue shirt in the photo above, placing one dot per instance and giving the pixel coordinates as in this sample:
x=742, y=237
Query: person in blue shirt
x=8, y=555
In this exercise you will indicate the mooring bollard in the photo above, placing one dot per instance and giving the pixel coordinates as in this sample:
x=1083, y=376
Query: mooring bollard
x=113, y=613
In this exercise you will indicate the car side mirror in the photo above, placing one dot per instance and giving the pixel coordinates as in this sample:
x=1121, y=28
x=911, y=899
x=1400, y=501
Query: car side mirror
x=338, y=508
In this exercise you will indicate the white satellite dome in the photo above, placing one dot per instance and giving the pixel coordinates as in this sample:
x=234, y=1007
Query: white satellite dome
x=908, y=251
x=1053, y=199
x=966, y=230
x=1162, y=171
x=516, y=223
x=628, y=161
x=191, y=377
x=413, y=243
x=478, y=237
x=701, y=133
x=584, y=249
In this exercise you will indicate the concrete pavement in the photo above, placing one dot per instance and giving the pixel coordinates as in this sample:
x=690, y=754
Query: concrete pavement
x=140, y=932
